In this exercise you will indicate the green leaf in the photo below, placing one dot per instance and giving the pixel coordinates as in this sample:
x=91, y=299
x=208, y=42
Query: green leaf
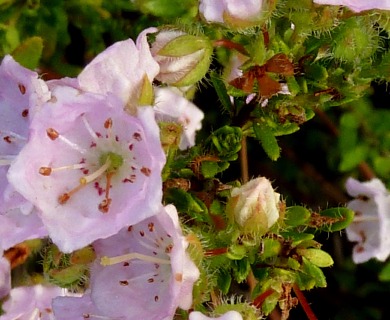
x=241, y=269
x=342, y=219
x=221, y=91
x=318, y=257
x=210, y=168
x=310, y=276
x=236, y=252
x=224, y=281
x=29, y=52
x=384, y=274
x=271, y=248
x=382, y=166
x=264, y=134
x=296, y=216
x=187, y=203
x=352, y=158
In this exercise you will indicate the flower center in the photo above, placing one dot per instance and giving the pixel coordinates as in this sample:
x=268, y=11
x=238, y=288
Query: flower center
x=108, y=162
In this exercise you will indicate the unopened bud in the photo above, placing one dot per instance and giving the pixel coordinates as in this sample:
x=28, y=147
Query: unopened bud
x=254, y=206
x=184, y=59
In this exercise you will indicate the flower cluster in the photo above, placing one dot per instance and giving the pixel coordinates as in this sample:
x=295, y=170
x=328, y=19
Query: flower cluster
x=107, y=182
x=82, y=163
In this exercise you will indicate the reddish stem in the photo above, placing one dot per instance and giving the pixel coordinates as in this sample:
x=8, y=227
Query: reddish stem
x=230, y=45
x=258, y=301
x=305, y=305
x=215, y=252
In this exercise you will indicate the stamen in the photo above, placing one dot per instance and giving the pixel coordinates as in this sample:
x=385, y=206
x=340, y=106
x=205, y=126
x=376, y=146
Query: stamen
x=365, y=219
x=47, y=171
x=90, y=316
x=107, y=261
x=54, y=134
x=89, y=128
x=6, y=160
x=104, y=206
x=62, y=199
x=10, y=136
x=94, y=175
x=108, y=123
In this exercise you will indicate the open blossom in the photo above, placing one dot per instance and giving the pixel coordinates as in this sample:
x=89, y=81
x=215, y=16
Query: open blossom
x=358, y=5
x=145, y=272
x=89, y=166
x=230, y=315
x=255, y=205
x=170, y=105
x=121, y=69
x=21, y=95
x=370, y=228
x=231, y=12
x=33, y=303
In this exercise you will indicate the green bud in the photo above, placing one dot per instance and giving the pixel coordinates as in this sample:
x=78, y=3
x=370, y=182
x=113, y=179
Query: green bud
x=355, y=40
x=226, y=142
x=184, y=59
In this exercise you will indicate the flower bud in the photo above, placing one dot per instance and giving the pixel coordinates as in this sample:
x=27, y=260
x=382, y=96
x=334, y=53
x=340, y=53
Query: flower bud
x=236, y=14
x=184, y=59
x=254, y=206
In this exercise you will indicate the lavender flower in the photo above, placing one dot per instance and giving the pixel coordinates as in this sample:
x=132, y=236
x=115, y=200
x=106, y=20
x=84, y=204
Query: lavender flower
x=33, y=303
x=89, y=166
x=145, y=272
x=21, y=95
x=121, y=70
x=358, y=5
x=371, y=225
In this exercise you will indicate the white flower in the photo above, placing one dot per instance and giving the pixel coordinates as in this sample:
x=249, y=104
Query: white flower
x=231, y=11
x=371, y=226
x=358, y=5
x=255, y=205
x=170, y=105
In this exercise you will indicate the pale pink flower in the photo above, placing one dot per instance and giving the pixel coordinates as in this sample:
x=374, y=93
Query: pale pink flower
x=89, y=166
x=371, y=225
x=230, y=315
x=223, y=11
x=121, y=69
x=358, y=5
x=21, y=95
x=32, y=303
x=170, y=105
x=146, y=268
